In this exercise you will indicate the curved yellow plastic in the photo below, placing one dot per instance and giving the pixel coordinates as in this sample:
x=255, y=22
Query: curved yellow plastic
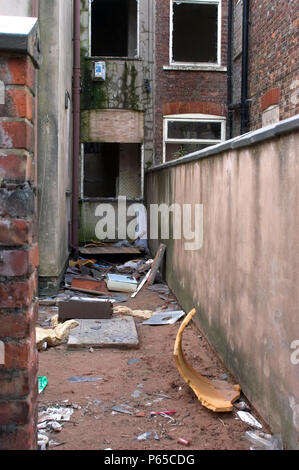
x=218, y=398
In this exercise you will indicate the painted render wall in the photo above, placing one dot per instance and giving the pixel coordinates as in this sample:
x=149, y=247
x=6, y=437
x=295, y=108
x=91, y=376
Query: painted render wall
x=244, y=280
x=55, y=124
x=16, y=8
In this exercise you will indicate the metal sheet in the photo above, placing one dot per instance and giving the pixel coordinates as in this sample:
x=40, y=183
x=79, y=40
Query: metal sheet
x=165, y=318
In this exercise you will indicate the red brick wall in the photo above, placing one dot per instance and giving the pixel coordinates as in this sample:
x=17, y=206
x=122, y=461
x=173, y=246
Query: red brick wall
x=273, y=58
x=176, y=89
x=18, y=255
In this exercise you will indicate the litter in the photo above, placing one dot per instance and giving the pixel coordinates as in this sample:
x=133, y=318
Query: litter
x=133, y=361
x=183, y=441
x=142, y=283
x=164, y=318
x=42, y=441
x=42, y=383
x=156, y=264
x=121, y=283
x=160, y=288
x=54, y=336
x=217, y=399
x=84, y=308
x=84, y=379
x=89, y=285
x=249, y=419
x=242, y=406
x=162, y=412
x=119, y=409
x=52, y=414
x=262, y=441
x=144, y=314
x=143, y=437
x=136, y=394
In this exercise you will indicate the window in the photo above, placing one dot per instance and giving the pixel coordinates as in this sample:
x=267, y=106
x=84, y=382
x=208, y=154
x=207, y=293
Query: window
x=114, y=28
x=112, y=170
x=195, y=32
x=185, y=134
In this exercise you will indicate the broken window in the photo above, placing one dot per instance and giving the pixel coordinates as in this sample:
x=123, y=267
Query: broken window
x=114, y=28
x=185, y=134
x=112, y=170
x=195, y=31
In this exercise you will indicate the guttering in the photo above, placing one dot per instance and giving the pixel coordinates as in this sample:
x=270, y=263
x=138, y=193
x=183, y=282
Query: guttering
x=76, y=127
x=229, y=69
x=244, y=82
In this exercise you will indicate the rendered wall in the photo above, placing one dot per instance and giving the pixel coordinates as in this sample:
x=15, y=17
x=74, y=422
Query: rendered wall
x=244, y=280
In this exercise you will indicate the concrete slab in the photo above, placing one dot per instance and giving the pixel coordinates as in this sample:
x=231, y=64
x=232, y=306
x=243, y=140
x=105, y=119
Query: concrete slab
x=114, y=332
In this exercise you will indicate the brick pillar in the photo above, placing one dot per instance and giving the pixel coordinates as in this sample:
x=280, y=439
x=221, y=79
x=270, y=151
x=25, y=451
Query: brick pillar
x=18, y=252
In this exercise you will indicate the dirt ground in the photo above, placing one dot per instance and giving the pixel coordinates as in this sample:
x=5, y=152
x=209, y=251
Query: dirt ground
x=94, y=426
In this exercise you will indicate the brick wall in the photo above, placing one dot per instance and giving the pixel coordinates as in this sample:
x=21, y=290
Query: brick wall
x=181, y=91
x=18, y=254
x=273, y=58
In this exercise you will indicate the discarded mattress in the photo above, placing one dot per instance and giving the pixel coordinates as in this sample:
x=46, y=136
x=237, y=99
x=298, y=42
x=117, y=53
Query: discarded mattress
x=218, y=398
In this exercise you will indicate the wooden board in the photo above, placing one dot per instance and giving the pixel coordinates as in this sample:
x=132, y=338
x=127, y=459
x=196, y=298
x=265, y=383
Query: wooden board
x=110, y=250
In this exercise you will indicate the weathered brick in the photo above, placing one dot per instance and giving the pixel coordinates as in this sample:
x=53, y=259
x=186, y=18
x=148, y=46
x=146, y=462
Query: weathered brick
x=16, y=167
x=18, y=324
x=270, y=98
x=14, y=437
x=18, y=262
x=17, y=411
x=15, y=232
x=18, y=383
x=17, y=135
x=18, y=294
x=19, y=103
x=17, y=70
x=20, y=354
x=17, y=203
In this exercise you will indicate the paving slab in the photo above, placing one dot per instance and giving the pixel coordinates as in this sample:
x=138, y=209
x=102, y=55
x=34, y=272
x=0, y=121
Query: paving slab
x=113, y=332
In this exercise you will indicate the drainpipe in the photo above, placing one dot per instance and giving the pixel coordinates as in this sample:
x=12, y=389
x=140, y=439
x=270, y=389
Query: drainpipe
x=244, y=83
x=229, y=68
x=76, y=127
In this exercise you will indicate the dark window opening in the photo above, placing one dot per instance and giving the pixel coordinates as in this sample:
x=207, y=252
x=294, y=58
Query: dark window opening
x=195, y=33
x=112, y=170
x=114, y=28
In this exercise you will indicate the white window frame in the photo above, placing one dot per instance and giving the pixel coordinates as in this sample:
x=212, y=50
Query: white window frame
x=138, y=31
x=219, y=26
x=192, y=118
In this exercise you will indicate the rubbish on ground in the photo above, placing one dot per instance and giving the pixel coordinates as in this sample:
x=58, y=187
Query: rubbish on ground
x=144, y=314
x=162, y=412
x=141, y=414
x=262, y=441
x=162, y=395
x=183, y=441
x=133, y=361
x=249, y=419
x=242, y=406
x=142, y=283
x=160, y=288
x=218, y=399
x=156, y=264
x=44, y=346
x=84, y=308
x=42, y=441
x=121, y=410
x=128, y=265
x=89, y=285
x=156, y=437
x=84, y=379
x=164, y=318
x=136, y=394
x=53, y=414
x=82, y=262
x=224, y=376
x=143, y=437
x=42, y=383
x=114, y=332
x=111, y=250
x=55, y=426
x=54, y=336
x=121, y=283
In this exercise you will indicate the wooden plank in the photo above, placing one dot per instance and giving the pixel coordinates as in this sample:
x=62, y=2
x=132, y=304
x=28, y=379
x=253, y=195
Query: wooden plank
x=110, y=250
x=84, y=309
x=156, y=264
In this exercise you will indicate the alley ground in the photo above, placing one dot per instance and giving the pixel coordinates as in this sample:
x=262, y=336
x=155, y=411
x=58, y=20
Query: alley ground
x=136, y=380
